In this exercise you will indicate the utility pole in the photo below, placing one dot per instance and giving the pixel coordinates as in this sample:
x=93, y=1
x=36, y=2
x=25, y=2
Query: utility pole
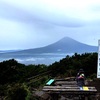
x=98, y=65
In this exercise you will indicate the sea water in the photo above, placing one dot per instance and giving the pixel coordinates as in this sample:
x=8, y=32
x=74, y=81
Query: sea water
x=43, y=58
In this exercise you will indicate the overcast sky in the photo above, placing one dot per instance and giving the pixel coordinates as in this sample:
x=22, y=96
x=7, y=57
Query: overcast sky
x=36, y=23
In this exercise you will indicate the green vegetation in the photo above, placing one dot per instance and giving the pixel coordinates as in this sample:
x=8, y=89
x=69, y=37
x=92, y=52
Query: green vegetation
x=69, y=66
x=19, y=81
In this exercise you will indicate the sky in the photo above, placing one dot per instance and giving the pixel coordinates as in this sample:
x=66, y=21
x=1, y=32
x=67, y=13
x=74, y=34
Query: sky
x=28, y=24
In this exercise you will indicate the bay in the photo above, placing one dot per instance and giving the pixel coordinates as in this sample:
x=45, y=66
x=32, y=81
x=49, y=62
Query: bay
x=43, y=58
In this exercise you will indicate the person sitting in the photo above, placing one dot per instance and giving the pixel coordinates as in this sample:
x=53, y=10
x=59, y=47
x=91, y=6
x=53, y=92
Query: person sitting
x=80, y=78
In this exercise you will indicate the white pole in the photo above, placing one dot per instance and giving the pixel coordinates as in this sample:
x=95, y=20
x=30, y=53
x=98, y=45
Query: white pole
x=98, y=65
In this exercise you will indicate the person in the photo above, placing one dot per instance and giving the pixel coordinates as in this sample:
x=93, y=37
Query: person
x=80, y=78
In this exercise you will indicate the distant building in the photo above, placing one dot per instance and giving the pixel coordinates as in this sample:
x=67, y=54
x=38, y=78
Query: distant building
x=98, y=65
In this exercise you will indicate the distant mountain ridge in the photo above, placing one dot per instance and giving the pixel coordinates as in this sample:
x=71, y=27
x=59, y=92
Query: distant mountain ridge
x=65, y=45
x=7, y=51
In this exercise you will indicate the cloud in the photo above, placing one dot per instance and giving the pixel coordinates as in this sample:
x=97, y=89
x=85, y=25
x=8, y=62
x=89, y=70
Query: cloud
x=35, y=23
x=36, y=16
x=13, y=13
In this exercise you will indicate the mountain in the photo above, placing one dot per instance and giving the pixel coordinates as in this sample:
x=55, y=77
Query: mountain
x=7, y=51
x=65, y=45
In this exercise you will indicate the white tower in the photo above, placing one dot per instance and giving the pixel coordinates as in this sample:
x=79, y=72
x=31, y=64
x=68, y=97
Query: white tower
x=98, y=65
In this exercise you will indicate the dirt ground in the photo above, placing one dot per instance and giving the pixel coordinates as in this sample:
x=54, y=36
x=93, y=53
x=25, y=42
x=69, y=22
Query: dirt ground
x=95, y=83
